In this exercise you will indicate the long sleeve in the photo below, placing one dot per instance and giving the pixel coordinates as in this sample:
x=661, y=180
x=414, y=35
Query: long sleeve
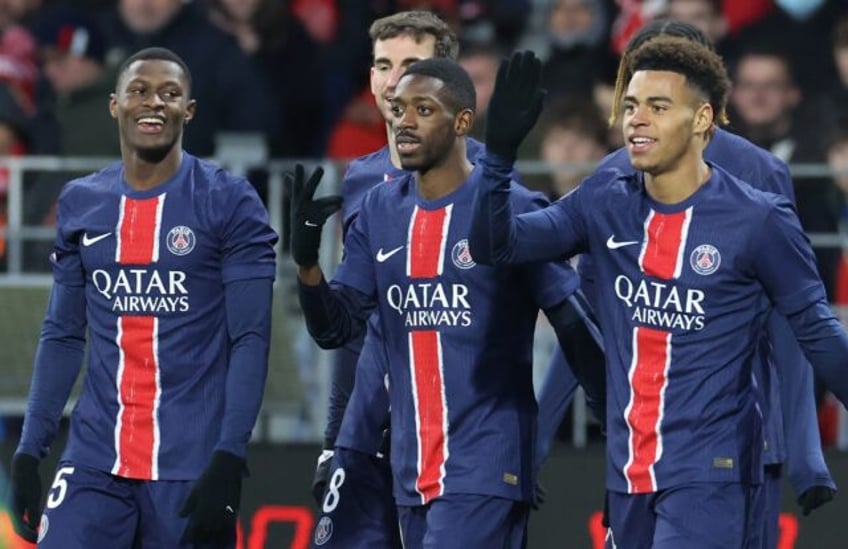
x=557, y=391
x=334, y=315
x=806, y=464
x=248, y=304
x=498, y=236
x=58, y=361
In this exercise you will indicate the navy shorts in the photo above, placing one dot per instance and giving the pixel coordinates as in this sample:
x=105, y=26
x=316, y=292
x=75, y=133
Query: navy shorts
x=89, y=509
x=465, y=521
x=358, y=508
x=695, y=516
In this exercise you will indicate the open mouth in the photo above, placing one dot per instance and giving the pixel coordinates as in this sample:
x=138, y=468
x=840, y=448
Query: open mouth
x=151, y=124
x=407, y=144
x=640, y=144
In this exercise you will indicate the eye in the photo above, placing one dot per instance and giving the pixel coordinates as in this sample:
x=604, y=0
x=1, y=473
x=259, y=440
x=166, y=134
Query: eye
x=382, y=67
x=628, y=108
x=396, y=111
x=424, y=110
x=659, y=109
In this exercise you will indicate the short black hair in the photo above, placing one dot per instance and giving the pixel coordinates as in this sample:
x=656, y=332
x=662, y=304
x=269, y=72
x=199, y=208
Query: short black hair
x=459, y=87
x=155, y=54
x=701, y=66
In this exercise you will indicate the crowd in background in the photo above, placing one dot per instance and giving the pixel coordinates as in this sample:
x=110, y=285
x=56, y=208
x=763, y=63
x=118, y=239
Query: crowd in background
x=293, y=75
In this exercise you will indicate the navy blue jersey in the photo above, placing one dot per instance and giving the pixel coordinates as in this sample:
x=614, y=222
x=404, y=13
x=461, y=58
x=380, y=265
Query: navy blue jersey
x=154, y=265
x=681, y=293
x=766, y=172
x=361, y=428
x=458, y=337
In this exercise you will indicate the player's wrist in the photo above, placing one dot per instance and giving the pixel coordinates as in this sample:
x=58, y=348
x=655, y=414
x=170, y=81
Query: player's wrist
x=310, y=276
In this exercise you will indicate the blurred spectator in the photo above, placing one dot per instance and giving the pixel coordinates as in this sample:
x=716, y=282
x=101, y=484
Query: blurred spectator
x=832, y=104
x=766, y=100
x=481, y=61
x=708, y=16
x=18, y=67
x=571, y=141
x=281, y=47
x=231, y=92
x=497, y=22
x=837, y=160
x=361, y=129
x=14, y=140
x=578, y=55
x=72, y=53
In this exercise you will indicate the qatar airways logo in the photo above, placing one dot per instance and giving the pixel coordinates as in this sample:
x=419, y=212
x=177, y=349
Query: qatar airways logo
x=662, y=305
x=143, y=290
x=431, y=305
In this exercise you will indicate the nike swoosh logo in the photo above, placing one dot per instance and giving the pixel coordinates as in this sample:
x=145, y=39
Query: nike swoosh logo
x=613, y=245
x=310, y=224
x=384, y=256
x=86, y=241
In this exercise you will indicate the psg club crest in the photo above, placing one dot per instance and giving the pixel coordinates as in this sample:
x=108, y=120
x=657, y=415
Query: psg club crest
x=181, y=240
x=461, y=255
x=324, y=531
x=705, y=259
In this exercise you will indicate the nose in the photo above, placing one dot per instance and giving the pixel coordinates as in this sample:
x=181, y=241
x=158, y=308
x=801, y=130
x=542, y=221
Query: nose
x=407, y=118
x=637, y=118
x=394, y=76
x=153, y=99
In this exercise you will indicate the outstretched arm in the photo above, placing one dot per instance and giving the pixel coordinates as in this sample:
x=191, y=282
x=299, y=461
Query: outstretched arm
x=496, y=235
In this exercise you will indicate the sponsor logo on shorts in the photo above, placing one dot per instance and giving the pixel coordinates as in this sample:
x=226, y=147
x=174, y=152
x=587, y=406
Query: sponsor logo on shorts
x=324, y=531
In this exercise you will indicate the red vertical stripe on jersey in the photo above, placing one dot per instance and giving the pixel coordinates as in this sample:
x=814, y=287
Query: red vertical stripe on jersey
x=138, y=393
x=137, y=426
x=429, y=396
x=426, y=242
x=644, y=412
x=665, y=235
x=139, y=231
x=428, y=232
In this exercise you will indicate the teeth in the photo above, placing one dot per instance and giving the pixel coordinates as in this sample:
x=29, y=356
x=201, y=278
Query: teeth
x=150, y=121
x=641, y=140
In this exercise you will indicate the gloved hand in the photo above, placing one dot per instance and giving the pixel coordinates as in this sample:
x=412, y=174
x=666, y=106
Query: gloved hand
x=213, y=503
x=515, y=104
x=539, y=496
x=322, y=475
x=308, y=215
x=814, y=497
x=26, y=504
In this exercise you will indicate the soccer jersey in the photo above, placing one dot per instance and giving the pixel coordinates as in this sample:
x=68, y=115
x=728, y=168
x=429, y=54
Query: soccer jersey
x=361, y=428
x=766, y=172
x=458, y=337
x=680, y=290
x=154, y=265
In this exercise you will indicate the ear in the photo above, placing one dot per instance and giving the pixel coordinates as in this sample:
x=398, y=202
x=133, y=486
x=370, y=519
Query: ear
x=463, y=122
x=113, y=105
x=191, y=109
x=704, y=119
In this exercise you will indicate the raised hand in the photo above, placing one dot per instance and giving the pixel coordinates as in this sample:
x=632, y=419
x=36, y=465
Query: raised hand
x=308, y=215
x=515, y=104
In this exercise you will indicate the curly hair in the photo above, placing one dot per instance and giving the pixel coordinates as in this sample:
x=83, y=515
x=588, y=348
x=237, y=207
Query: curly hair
x=701, y=66
x=655, y=29
x=417, y=24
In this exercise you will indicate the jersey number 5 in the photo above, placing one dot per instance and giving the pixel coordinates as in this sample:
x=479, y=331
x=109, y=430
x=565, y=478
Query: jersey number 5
x=59, y=488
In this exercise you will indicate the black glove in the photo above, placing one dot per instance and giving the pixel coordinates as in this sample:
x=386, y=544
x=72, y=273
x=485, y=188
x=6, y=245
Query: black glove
x=515, y=104
x=213, y=504
x=814, y=498
x=322, y=475
x=308, y=215
x=539, y=496
x=25, y=501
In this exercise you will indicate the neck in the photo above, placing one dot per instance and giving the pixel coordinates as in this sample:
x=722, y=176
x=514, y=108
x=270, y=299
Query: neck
x=446, y=177
x=680, y=182
x=143, y=174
